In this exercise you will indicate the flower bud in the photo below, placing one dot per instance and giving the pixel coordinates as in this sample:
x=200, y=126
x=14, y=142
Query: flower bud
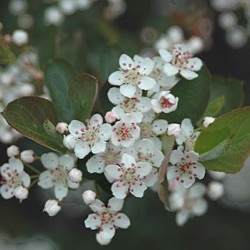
x=13, y=151
x=62, y=127
x=174, y=129
x=28, y=156
x=208, y=120
x=21, y=193
x=75, y=175
x=215, y=190
x=20, y=37
x=88, y=197
x=102, y=240
x=110, y=117
x=51, y=207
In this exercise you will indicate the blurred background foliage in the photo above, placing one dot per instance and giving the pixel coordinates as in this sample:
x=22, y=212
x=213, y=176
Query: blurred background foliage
x=93, y=44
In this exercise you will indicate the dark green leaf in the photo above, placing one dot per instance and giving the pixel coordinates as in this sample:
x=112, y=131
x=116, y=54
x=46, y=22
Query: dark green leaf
x=58, y=76
x=193, y=98
x=225, y=144
x=28, y=115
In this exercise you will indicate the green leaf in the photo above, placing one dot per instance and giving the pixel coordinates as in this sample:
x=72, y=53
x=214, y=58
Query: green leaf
x=83, y=93
x=6, y=55
x=225, y=144
x=58, y=76
x=168, y=144
x=215, y=106
x=231, y=89
x=29, y=116
x=193, y=98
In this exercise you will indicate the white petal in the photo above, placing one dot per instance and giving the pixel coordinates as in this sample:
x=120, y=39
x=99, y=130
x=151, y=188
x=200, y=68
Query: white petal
x=101, y=240
x=98, y=147
x=70, y=141
x=128, y=90
x=159, y=126
x=125, y=61
x=82, y=149
x=122, y=221
x=119, y=190
x=171, y=173
x=25, y=178
x=176, y=156
x=113, y=171
x=138, y=189
x=143, y=169
x=96, y=120
x=50, y=160
x=105, y=131
x=115, y=204
x=200, y=171
x=182, y=217
x=195, y=64
x=157, y=158
x=7, y=192
x=75, y=128
x=145, y=104
x=145, y=146
x=165, y=55
x=116, y=78
x=170, y=70
x=115, y=96
x=95, y=164
x=146, y=83
x=187, y=181
x=156, y=106
x=188, y=74
x=17, y=164
x=93, y=221
x=146, y=66
x=67, y=161
x=61, y=191
x=152, y=178
x=107, y=231
x=128, y=161
x=97, y=206
x=46, y=180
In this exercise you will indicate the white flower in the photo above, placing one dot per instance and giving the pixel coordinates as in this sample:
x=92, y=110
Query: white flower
x=28, y=156
x=57, y=175
x=107, y=219
x=180, y=61
x=88, y=197
x=21, y=193
x=75, y=175
x=52, y=207
x=207, y=121
x=184, y=167
x=13, y=151
x=188, y=202
x=53, y=15
x=127, y=177
x=215, y=190
x=165, y=102
x=13, y=176
x=133, y=74
x=92, y=137
x=98, y=162
x=136, y=105
x=125, y=131
x=174, y=129
x=20, y=37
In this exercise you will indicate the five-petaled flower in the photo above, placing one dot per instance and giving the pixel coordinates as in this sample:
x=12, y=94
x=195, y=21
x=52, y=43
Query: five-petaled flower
x=107, y=218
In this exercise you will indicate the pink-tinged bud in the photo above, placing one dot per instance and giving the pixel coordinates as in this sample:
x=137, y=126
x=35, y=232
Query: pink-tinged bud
x=13, y=151
x=102, y=240
x=207, y=121
x=7, y=39
x=62, y=127
x=174, y=129
x=28, y=156
x=75, y=175
x=110, y=117
x=88, y=197
x=52, y=207
x=21, y=193
x=215, y=190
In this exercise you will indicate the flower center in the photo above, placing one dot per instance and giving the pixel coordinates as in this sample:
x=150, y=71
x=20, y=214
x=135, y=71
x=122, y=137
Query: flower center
x=132, y=75
x=181, y=58
x=111, y=157
x=59, y=174
x=165, y=103
x=146, y=130
x=129, y=104
x=124, y=131
x=90, y=134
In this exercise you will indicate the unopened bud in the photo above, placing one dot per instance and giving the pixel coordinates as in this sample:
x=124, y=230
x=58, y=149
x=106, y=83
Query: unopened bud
x=208, y=120
x=215, y=190
x=13, y=151
x=20, y=37
x=51, y=207
x=28, y=156
x=88, y=197
x=75, y=175
x=110, y=117
x=21, y=193
x=174, y=129
x=62, y=127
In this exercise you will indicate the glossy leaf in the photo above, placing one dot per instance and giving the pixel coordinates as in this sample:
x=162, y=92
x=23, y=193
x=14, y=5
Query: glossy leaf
x=226, y=142
x=29, y=115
